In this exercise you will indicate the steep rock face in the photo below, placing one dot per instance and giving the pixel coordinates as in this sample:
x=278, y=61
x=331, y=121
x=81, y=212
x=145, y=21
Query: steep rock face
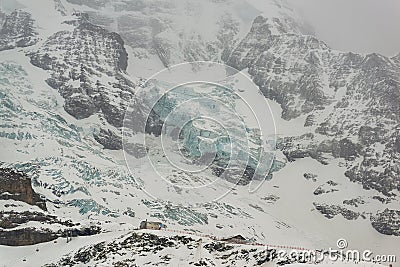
x=16, y=228
x=17, y=30
x=25, y=237
x=277, y=54
x=87, y=68
x=31, y=236
x=350, y=102
x=17, y=186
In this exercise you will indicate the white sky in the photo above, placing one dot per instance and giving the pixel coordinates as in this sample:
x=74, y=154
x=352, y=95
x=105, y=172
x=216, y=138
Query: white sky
x=363, y=26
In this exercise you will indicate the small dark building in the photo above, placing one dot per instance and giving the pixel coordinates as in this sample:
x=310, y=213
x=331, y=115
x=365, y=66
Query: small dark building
x=151, y=225
x=235, y=239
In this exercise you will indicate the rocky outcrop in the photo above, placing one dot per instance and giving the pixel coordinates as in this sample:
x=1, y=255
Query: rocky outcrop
x=270, y=46
x=12, y=219
x=109, y=139
x=387, y=222
x=350, y=102
x=330, y=211
x=354, y=202
x=384, y=200
x=17, y=186
x=15, y=230
x=84, y=231
x=328, y=187
x=139, y=243
x=17, y=30
x=306, y=146
x=310, y=176
x=31, y=236
x=87, y=66
x=26, y=237
x=135, y=249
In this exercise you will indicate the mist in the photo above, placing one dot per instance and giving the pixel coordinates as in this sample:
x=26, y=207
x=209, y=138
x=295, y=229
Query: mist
x=363, y=26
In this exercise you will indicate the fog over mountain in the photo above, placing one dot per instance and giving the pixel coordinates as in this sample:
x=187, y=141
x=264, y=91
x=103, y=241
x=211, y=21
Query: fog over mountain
x=199, y=132
x=363, y=26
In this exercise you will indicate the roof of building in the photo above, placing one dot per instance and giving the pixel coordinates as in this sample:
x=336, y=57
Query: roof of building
x=240, y=237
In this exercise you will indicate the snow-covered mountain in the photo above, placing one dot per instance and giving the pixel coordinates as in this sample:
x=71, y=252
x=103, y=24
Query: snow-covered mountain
x=73, y=90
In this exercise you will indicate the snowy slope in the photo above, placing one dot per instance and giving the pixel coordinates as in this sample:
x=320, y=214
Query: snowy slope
x=63, y=97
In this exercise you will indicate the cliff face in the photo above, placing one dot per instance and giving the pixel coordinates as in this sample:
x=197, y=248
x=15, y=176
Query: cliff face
x=15, y=229
x=17, y=186
x=17, y=30
x=349, y=102
x=25, y=237
x=87, y=66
